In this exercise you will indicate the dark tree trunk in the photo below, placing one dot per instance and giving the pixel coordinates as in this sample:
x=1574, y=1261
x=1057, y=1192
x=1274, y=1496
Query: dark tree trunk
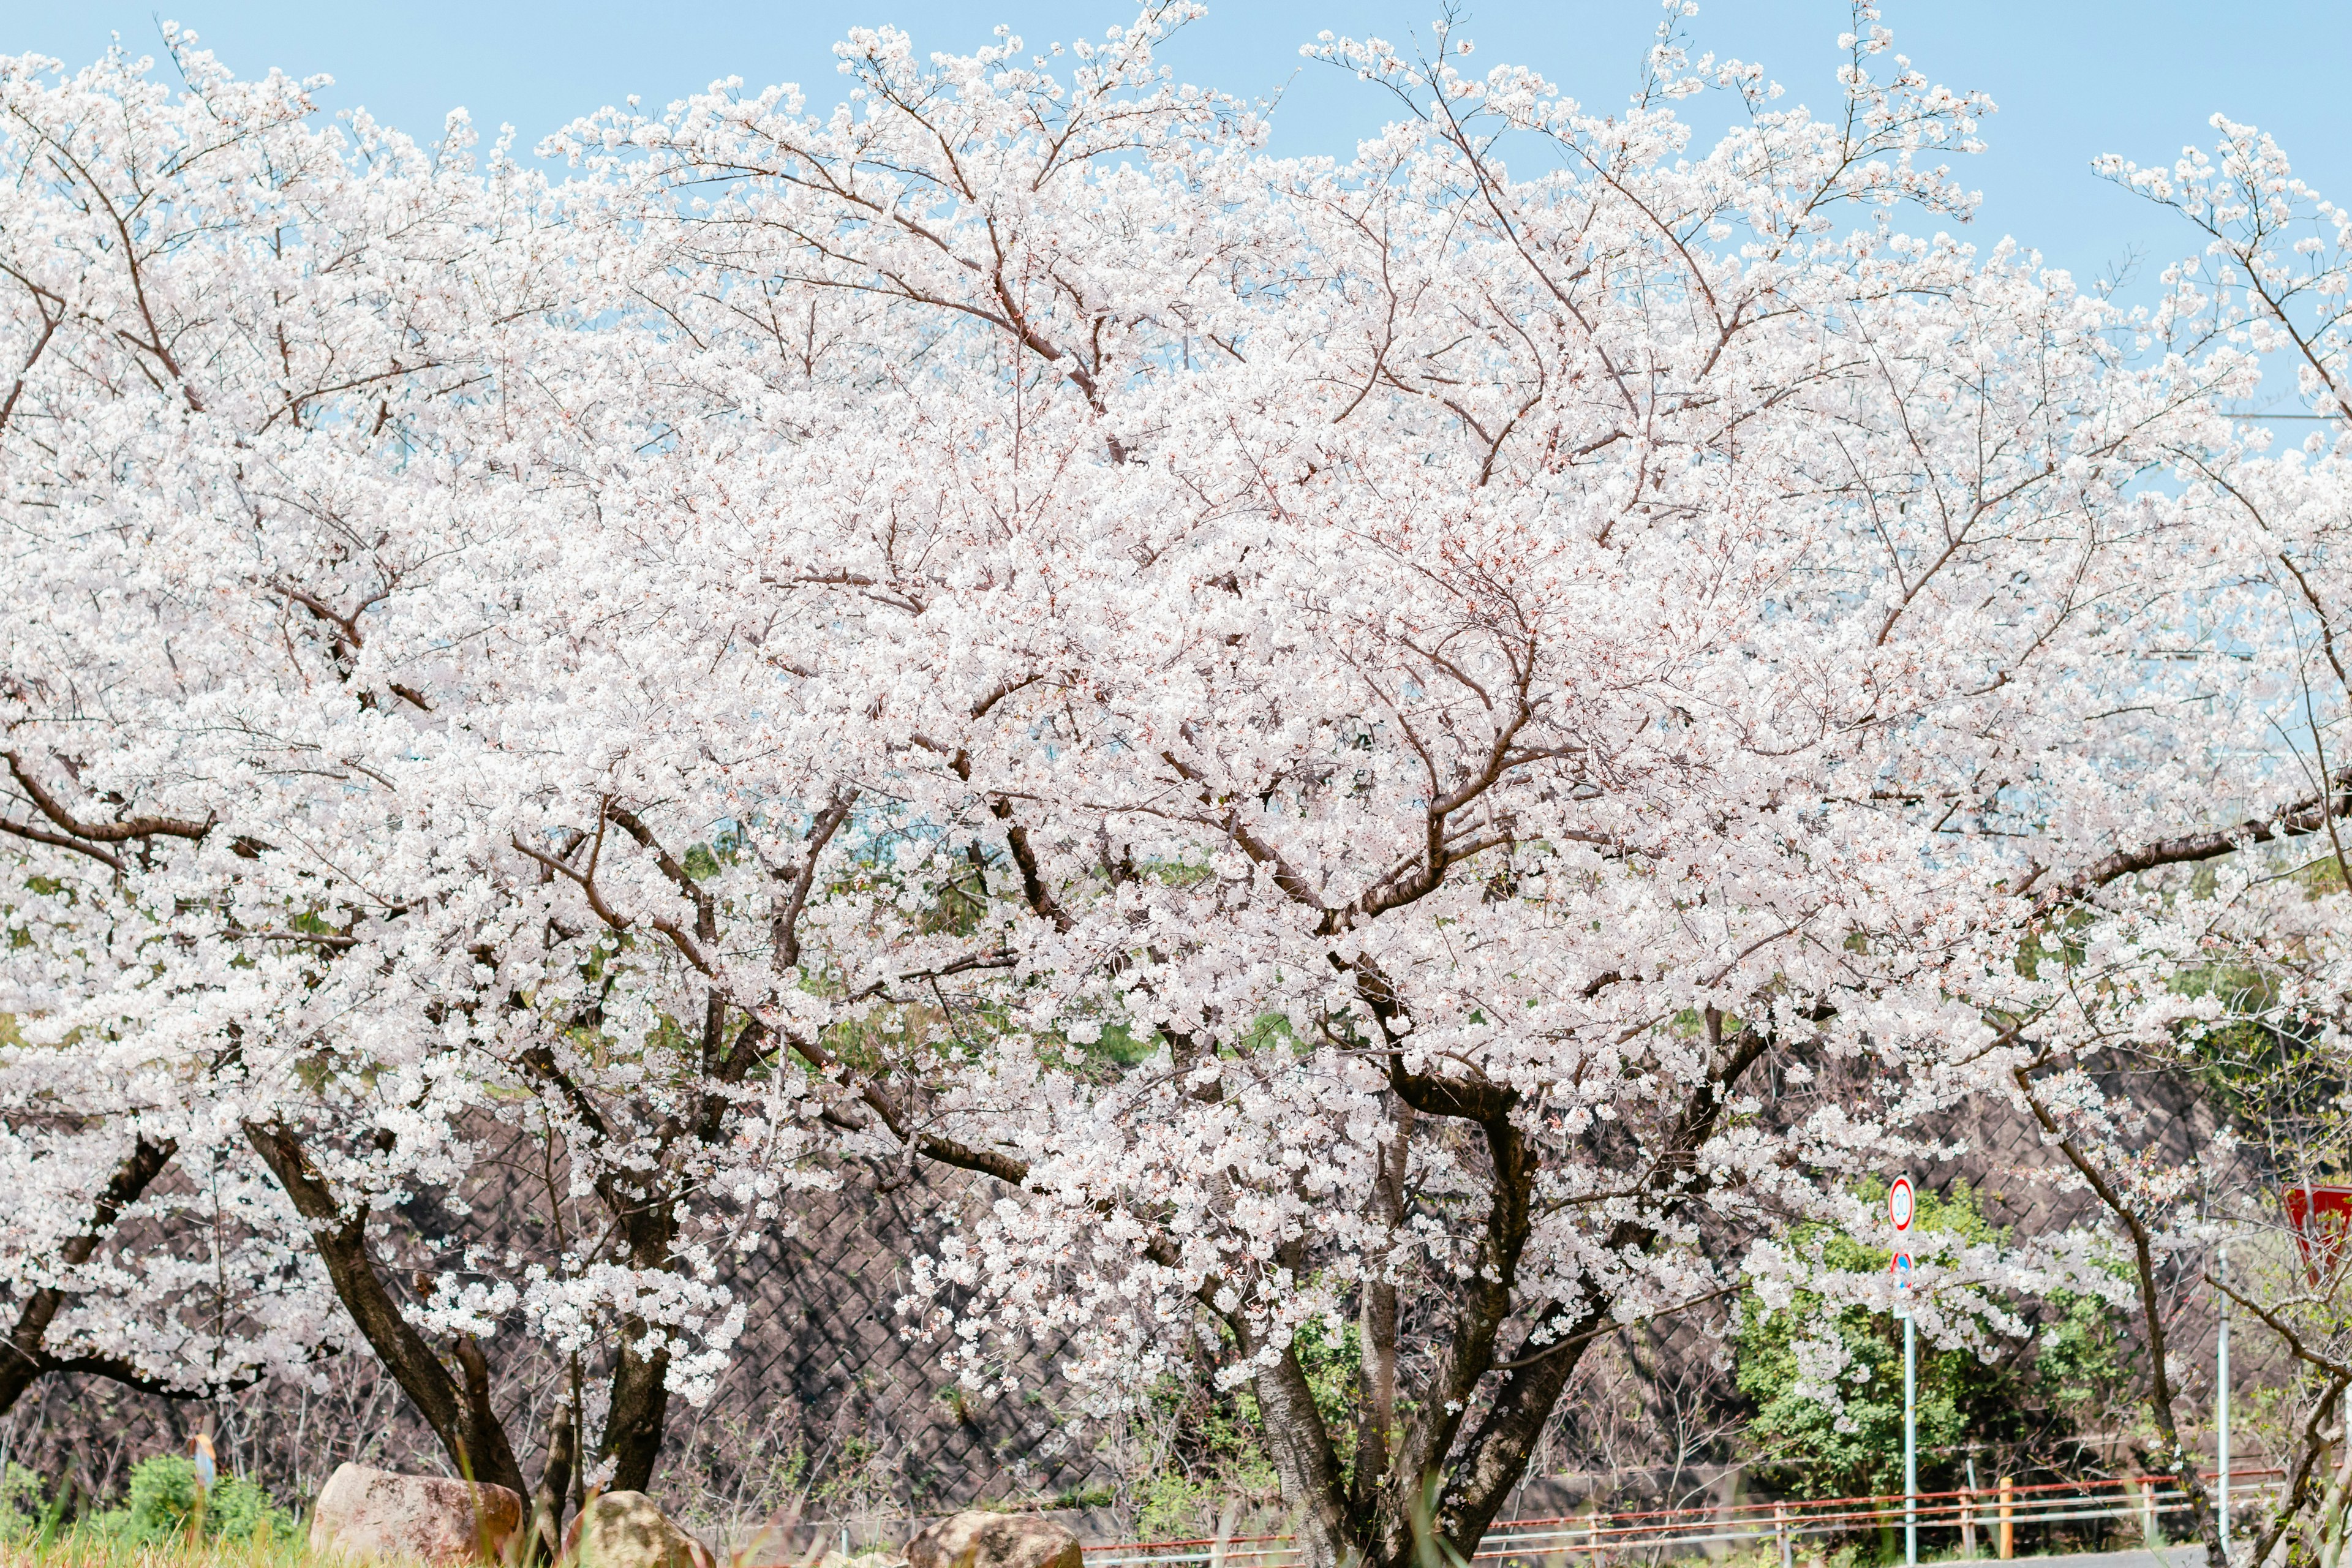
x=548, y=1503
x=2173, y=1456
x=461, y=1418
x=633, y=1429
x=1376, y=1393
x=1304, y=1460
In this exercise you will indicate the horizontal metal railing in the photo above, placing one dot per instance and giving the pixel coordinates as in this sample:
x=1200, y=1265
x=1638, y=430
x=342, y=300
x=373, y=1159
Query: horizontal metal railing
x=1599, y=1533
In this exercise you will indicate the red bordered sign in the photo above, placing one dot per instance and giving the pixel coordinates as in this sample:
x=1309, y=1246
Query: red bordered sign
x=1900, y=1204
x=2322, y=1217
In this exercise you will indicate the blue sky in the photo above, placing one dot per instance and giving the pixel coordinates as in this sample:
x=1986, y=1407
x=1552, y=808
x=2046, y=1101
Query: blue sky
x=2073, y=77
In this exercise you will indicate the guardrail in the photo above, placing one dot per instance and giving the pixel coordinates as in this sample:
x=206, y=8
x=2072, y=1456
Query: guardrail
x=1600, y=1534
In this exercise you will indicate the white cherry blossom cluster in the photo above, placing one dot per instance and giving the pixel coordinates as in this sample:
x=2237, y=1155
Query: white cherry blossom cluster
x=1334, y=731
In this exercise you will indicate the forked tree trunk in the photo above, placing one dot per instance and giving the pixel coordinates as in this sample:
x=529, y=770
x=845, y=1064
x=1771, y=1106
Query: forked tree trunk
x=461, y=1418
x=1441, y=1488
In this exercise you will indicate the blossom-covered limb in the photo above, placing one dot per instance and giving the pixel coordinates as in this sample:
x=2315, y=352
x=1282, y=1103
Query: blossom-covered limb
x=23, y=1357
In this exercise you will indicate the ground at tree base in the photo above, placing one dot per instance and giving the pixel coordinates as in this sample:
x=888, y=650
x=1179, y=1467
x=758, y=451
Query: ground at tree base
x=76, y=1553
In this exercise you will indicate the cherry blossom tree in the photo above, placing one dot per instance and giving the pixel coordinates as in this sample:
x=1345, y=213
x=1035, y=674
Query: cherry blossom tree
x=1359, y=738
x=2255, y=935
x=256, y=365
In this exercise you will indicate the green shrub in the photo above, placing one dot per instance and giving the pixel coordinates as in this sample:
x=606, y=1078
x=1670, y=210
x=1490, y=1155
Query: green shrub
x=20, y=1504
x=164, y=1496
x=1173, y=1506
x=1807, y=1449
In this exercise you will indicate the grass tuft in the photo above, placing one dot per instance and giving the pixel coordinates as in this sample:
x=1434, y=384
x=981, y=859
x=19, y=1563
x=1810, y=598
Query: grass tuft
x=90, y=1548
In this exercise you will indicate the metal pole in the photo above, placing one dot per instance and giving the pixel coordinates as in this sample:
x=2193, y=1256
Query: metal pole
x=1910, y=1443
x=2223, y=1380
x=1968, y=1513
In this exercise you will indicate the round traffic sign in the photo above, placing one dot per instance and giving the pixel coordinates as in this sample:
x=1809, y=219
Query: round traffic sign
x=1899, y=1204
x=1901, y=1270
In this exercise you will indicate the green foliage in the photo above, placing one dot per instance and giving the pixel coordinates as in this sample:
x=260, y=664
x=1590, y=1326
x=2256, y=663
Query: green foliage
x=1811, y=1450
x=1216, y=1451
x=1172, y=1505
x=1858, y=1450
x=20, y=1504
x=1122, y=1047
x=2086, y=1365
x=1334, y=1368
x=164, y=1498
x=1217, y=1448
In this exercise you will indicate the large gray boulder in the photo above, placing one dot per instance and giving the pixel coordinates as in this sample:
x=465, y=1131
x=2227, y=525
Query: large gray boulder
x=370, y=1516
x=975, y=1538
x=628, y=1529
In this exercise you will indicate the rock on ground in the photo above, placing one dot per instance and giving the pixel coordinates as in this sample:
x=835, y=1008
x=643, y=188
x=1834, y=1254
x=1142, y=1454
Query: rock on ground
x=370, y=1515
x=978, y=1540
x=628, y=1529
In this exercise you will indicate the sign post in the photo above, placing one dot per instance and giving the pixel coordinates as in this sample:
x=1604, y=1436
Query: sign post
x=2221, y=1382
x=200, y=1453
x=1900, y=1203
